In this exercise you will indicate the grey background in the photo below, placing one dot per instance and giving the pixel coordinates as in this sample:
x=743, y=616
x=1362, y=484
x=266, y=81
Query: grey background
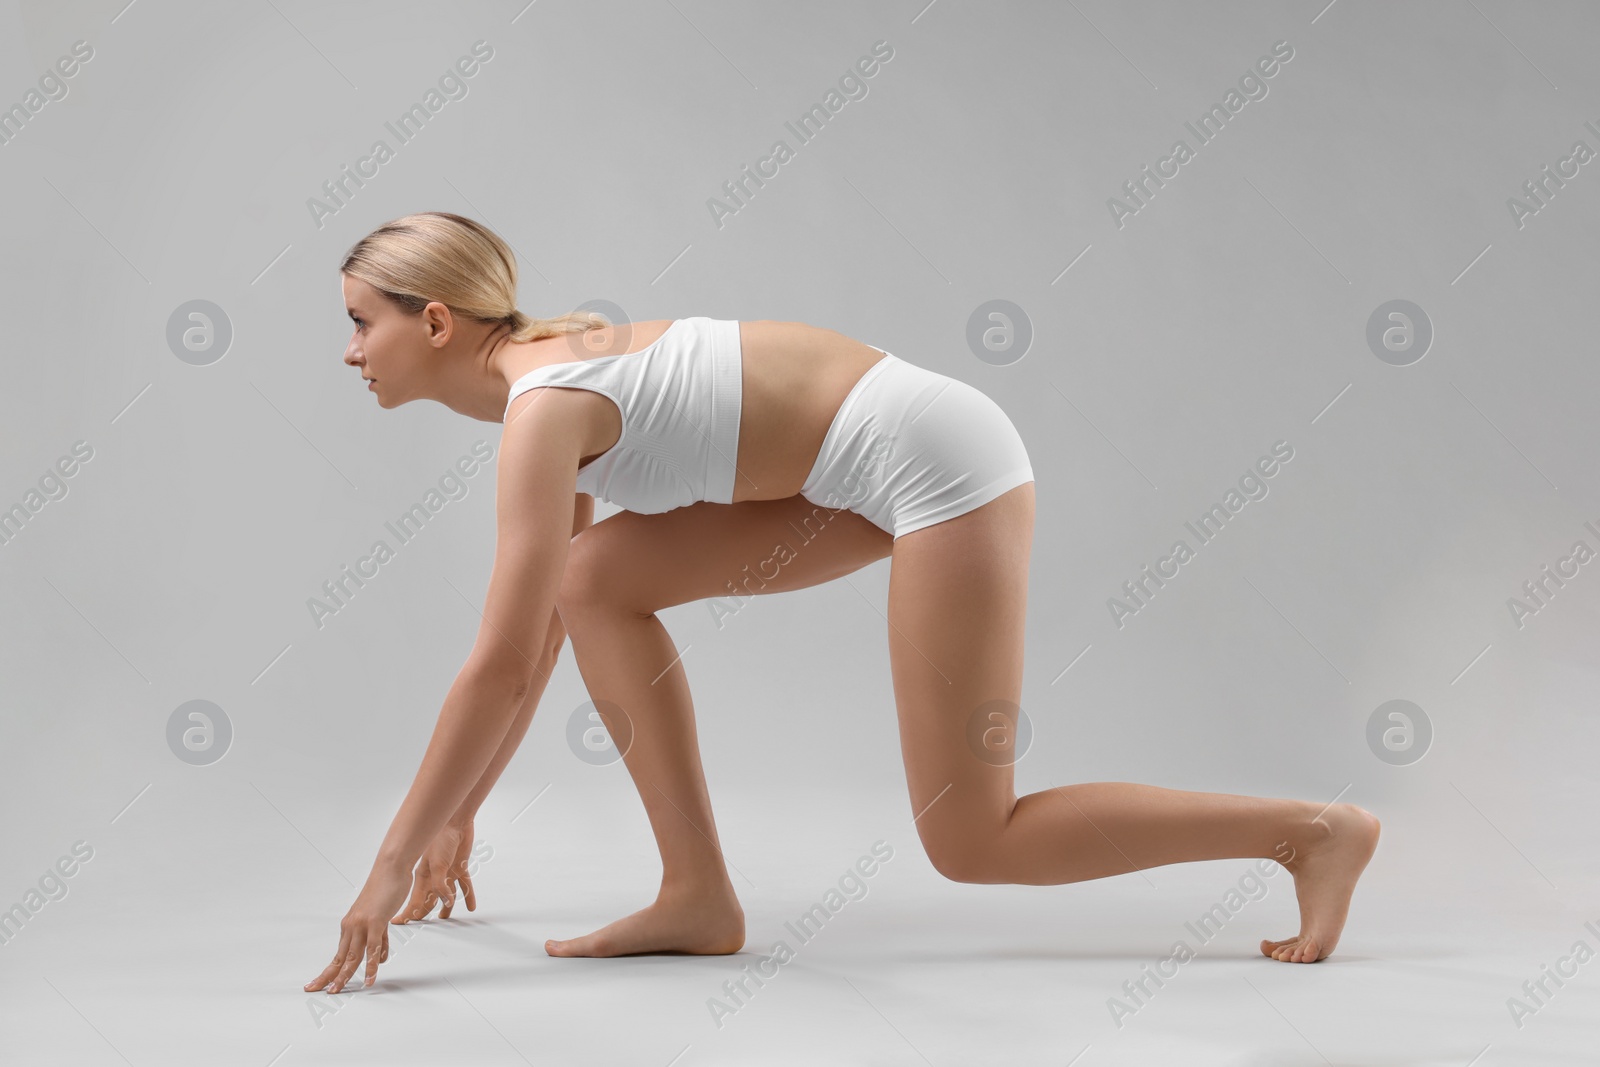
x=1168, y=355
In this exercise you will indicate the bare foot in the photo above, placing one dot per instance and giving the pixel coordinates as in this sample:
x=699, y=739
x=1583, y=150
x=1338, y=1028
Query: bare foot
x=1325, y=871
x=698, y=922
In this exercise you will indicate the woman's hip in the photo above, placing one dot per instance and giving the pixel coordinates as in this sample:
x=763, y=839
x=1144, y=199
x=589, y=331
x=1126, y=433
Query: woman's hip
x=910, y=447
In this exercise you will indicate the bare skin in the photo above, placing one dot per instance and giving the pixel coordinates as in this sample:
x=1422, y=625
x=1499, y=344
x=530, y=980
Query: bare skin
x=945, y=662
x=957, y=604
x=794, y=376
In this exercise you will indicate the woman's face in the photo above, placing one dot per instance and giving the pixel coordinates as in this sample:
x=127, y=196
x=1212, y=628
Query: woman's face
x=386, y=344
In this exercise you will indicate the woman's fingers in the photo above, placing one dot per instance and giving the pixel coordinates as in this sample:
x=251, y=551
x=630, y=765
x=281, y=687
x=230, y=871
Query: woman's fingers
x=448, y=893
x=372, y=944
x=322, y=979
x=427, y=891
x=432, y=893
x=420, y=903
x=418, y=906
x=352, y=959
x=430, y=888
x=375, y=950
x=333, y=968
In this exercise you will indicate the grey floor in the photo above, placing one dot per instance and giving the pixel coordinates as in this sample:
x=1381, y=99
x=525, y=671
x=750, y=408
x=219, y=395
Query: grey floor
x=156, y=962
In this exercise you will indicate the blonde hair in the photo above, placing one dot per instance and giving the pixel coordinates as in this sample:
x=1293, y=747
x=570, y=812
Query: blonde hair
x=464, y=265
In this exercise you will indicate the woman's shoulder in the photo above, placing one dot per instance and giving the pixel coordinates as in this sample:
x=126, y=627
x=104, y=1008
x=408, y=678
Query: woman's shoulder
x=620, y=338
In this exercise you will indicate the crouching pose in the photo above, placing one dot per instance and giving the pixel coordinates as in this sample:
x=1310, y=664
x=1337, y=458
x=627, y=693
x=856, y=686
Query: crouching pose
x=727, y=442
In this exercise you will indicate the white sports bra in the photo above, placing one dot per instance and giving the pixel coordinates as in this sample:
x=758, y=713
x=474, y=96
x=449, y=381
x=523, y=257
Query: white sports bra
x=680, y=400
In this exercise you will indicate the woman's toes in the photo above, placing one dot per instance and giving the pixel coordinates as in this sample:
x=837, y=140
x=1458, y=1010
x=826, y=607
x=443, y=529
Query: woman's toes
x=1295, y=950
x=1302, y=949
x=595, y=944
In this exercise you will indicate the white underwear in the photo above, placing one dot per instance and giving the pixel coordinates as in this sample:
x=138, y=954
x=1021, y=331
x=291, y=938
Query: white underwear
x=910, y=447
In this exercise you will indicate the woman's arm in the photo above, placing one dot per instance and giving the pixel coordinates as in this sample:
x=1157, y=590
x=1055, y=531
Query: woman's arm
x=535, y=509
x=582, y=519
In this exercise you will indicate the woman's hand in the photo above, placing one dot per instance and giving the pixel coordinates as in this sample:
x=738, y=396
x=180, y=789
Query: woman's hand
x=445, y=860
x=365, y=929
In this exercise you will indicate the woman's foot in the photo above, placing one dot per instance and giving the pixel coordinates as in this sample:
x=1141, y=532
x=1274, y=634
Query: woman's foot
x=708, y=923
x=1325, y=868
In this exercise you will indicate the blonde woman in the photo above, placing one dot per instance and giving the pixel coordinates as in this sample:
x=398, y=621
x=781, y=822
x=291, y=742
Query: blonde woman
x=723, y=439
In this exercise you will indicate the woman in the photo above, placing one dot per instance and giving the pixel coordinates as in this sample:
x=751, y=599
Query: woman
x=723, y=439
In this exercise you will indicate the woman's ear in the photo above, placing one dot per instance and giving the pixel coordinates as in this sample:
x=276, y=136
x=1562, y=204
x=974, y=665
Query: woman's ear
x=438, y=322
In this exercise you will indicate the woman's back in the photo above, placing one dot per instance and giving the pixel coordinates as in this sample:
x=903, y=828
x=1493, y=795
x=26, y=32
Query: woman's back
x=703, y=409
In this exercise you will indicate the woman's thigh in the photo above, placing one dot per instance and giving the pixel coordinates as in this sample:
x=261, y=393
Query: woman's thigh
x=957, y=607
x=645, y=563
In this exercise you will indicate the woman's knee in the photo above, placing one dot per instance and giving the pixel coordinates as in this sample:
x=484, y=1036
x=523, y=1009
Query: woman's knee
x=575, y=583
x=962, y=856
x=583, y=581
x=593, y=576
x=554, y=640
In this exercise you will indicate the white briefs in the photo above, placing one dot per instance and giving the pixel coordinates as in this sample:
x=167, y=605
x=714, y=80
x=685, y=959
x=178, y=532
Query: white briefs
x=910, y=447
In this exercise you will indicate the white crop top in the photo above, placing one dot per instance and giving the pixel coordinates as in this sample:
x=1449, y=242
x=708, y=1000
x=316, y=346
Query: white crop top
x=680, y=400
